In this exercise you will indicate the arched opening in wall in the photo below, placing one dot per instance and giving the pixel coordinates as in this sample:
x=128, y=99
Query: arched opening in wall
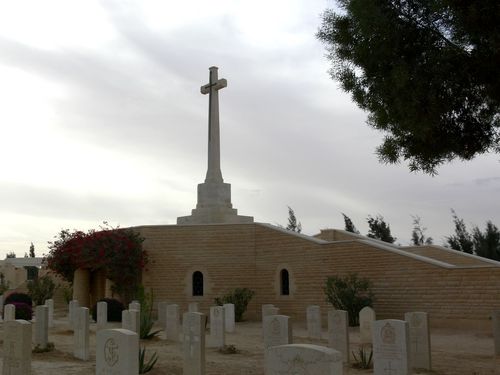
x=284, y=282
x=197, y=283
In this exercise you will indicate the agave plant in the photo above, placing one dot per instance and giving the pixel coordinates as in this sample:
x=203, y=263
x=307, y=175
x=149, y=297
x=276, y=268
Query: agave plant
x=143, y=366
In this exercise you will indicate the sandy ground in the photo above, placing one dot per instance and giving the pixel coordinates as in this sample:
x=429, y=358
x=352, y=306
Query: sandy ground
x=454, y=352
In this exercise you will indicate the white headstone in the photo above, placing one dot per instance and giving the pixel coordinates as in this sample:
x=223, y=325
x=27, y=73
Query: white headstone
x=102, y=315
x=193, y=329
x=420, y=340
x=162, y=313
x=277, y=330
x=117, y=352
x=41, y=326
x=229, y=317
x=302, y=359
x=338, y=332
x=269, y=309
x=390, y=347
x=134, y=305
x=496, y=330
x=172, y=328
x=73, y=305
x=81, y=334
x=193, y=307
x=50, y=305
x=16, y=348
x=9, y=312
x=313, y=314
x=217, y=333
x=366, y=318
x=131, y=320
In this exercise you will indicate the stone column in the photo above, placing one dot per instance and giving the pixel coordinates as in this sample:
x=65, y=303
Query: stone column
x=81, y=287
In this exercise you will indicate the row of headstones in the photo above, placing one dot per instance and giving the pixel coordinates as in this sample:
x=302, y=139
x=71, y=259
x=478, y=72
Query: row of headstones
x=408, y=340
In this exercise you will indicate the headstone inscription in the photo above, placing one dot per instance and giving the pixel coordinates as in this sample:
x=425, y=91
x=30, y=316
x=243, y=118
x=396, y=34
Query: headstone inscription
x=366, y=318
x=390, y=347
x=81, y=334
x=117, y=352
x=41, y=326
x=217, y=332
x=102, y=315
x=277, y=330
x=338, y=332
x=9, y=312
x=173, y=318
x=193, y=330
x=420, y=343
x=303, y=359
x=16, y=348
x=313, y=314
x=229, y=317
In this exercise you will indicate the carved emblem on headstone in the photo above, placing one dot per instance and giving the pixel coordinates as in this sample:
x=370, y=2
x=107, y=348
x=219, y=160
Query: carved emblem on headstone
x=388, y=334
x=111, y=352
x=275, y=327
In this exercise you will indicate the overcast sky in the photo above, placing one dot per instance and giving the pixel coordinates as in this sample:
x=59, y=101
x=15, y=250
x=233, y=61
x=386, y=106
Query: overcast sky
x=102, y=119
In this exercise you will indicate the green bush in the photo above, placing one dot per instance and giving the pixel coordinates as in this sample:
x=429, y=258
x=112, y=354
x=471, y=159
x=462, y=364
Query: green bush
x=363, y=359
x=115, y=309
x=23, y=311
x=240, y=298
x=146, y=366
x=41, y=289
x=18, y=297
x=350, y=294
x=146, y=318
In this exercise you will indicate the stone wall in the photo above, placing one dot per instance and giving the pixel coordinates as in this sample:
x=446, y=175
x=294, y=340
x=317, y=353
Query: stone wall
x=252, y=256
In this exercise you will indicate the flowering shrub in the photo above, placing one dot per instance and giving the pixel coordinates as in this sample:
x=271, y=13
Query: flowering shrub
x=18, y=297
x=116, y=251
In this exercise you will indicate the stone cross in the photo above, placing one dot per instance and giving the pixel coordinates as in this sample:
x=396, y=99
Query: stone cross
x=212, y=89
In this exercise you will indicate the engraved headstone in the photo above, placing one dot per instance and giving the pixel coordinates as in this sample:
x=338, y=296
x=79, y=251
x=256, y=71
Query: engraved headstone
x=303, y=359
x=50, y=305
x=172, y=328
x=366, y=318
x=390, y=347
x=229, y=317
x=41, y=326
x=193, y=307
x=102, y=315
x=81, y=334
x=73, y=305
x=9, y=312
x=162, y=313
x=16, y=348
x=131, y=320
x=420, y=342
x=338, y=332
x=313, y=314
x=193, y=330
x=277, y=330
x=496, y=331
x=134, y=306
x=217, y=333
x=117, y=352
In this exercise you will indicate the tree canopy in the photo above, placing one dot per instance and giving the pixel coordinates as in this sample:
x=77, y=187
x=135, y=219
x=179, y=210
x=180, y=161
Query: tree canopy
x=426, y=71
x=293, y=225
x=349, y=225
x=379, y=229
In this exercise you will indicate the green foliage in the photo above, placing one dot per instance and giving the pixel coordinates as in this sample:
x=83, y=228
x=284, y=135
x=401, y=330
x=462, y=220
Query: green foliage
x=38, y=349
x=146, y=316
x=10, y=255
x=18, y=297
x=118, y=251
x=350, y=294
x=4, y=284
x=363, y=359
x=240, y=297
x=399, y=60
x=144, y=366
x=487, y=243
x=418, y=234
x=32, y=250
x=114, y=309
x=67, y=294
x=41, y=289
x=462, y=239
x=292, y=222
x=379, y=229
x=23, y=310
x=349, y=226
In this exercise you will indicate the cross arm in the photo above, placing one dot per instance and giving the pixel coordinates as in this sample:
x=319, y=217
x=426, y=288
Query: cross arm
x=220, y=84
